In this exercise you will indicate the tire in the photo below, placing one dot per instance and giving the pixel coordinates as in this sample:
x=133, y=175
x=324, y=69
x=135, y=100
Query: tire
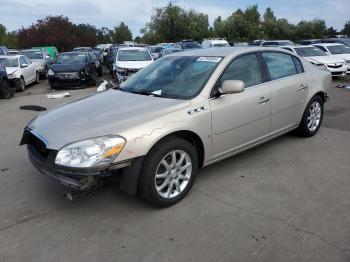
x=37, y=78
x=171, y=185
x=6, y=91
x=100, y=73
x=21, y=84
x=46, y=74
x=312, y=117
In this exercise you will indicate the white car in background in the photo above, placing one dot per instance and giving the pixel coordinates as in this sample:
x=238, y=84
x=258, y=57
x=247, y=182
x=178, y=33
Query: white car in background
x=20, y=70
x=336, y=65
x=338, y=50
x=214, y=42
x=130, y=60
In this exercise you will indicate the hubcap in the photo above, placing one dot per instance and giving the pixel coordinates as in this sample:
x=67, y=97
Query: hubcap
x=314, y=116
x=173, y=174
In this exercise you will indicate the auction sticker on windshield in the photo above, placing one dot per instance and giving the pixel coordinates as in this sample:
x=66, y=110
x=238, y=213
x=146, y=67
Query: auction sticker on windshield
x=211, y=59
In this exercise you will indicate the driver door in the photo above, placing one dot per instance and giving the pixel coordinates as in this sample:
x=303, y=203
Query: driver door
x=241, y=119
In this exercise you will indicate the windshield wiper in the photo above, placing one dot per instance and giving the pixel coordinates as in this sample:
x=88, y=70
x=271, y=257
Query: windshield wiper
x=144, y=92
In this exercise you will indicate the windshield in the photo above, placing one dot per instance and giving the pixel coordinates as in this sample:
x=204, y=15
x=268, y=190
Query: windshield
x=133, y=55
x=179, y=77
x=32, y=54
x=346, y=42
x=190, y=45
x=82, y=49
x=9, y=62
x=309, y=51
x=221, y=45
x=71, y=58
x=156, y=49
x=339, y=49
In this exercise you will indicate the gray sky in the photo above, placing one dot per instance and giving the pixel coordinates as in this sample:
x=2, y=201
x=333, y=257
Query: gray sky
x=135, y=13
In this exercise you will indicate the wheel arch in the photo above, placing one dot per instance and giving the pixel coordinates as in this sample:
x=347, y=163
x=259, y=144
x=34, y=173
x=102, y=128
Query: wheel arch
x=191, y=137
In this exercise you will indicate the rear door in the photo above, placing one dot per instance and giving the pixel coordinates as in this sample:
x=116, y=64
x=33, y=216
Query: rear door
x=242, y=119
x=289, y=87
x=32, y=68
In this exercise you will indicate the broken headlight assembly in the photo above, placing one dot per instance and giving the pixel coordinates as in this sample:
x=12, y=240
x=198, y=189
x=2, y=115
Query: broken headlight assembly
x=92, y=152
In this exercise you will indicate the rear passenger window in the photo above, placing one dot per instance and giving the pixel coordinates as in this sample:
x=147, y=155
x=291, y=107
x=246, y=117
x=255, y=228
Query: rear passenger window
x=245, y=68
x=279, y=65
x=298, y=65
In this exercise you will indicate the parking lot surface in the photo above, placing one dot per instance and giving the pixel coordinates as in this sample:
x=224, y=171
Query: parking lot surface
x=287, y=200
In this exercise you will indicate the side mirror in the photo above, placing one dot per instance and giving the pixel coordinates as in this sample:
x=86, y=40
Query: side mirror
x=232, y=87
x=24, y=65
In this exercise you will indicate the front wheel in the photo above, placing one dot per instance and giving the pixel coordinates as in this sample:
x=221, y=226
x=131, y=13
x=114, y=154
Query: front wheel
x=312, y=117
x=21, y=84
x=168, y=172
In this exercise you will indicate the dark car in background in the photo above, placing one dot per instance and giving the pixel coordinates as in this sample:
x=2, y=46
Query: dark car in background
x=73, y=69
x=344, y=41
x=111, y=55
x=6, y=90
x=155, y=51
x=3, y=50
x=310, y=41
x=187, y=44
x=98, y=63
x=168, y=51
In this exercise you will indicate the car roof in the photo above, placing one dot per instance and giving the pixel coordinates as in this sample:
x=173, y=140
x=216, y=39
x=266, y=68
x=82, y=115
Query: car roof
x=226, y=51
x=10, y=56
x=32, y=50
x=329, y=44
x=133, y=48
x=297, y=46
x=75, y=53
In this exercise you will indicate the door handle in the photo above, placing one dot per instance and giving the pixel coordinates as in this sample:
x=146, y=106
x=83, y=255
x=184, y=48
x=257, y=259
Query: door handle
x=303, y=86
x=263, y=100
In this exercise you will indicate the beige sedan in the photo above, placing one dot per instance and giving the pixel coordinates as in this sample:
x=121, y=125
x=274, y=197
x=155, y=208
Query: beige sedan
x=185, y=111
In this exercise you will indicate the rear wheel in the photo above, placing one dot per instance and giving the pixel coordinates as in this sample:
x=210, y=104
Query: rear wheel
x=168, y=172
x=312, y=117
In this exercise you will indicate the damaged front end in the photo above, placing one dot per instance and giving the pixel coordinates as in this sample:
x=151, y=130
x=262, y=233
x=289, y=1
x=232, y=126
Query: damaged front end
x=79, y=180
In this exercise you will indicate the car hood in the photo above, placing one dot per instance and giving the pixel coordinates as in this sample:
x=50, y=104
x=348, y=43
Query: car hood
x=10, y=70
x=325, y=59
x=67, y=67
x=109, y=112
x=133, y=64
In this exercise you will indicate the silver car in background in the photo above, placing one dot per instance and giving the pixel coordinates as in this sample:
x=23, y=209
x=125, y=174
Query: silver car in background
x=40, y=58
x=182, y=112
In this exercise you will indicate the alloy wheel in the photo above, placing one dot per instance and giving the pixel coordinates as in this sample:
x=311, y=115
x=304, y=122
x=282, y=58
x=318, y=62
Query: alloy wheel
x=314, y=116
x=173, y=174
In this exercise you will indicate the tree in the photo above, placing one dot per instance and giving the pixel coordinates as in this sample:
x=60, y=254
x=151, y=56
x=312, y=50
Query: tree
x=331, y=32
x=8, y=39
x=173, y=23
x=346, y=29
x=122, y=33
x=86, y=35
x=218, y=27
x=104, y=35
x=311, y=29
x=52, y=30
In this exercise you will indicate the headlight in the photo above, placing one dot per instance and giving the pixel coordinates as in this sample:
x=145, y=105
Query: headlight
x=91, y=152
x=51, y=73
x=13, y=75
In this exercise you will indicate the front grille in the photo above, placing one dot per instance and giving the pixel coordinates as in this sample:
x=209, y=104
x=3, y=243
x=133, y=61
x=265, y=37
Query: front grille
x=68, y=75
x=335, y=65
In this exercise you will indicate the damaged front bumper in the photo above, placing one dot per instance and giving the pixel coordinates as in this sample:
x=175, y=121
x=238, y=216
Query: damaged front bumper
x=80, y=179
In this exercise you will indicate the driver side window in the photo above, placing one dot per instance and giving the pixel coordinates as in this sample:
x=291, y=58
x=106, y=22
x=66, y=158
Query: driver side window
x=245, y=68
x=22, y=61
